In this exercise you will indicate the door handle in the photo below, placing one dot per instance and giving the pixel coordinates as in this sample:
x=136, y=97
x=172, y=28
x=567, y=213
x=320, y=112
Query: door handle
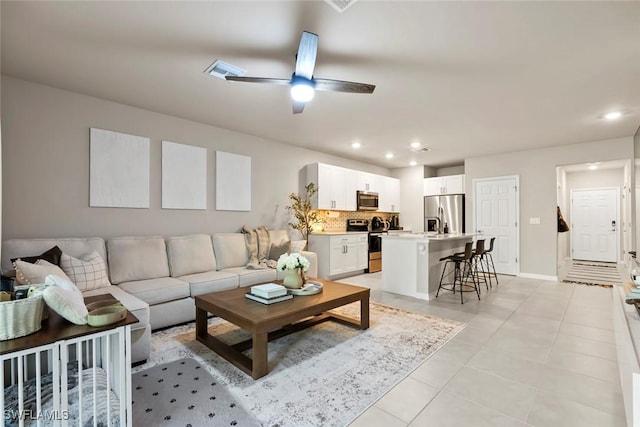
x=479, y=231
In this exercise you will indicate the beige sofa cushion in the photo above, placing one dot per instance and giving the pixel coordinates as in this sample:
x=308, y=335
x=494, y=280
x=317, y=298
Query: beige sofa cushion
x=156, y=291
x=137, y=258
x=278, y=237
x=190, y=254
x=210, y=281
x=230, y=250
x=249, y=277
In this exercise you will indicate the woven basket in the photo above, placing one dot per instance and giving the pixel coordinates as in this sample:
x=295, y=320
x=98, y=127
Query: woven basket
x=20, y=317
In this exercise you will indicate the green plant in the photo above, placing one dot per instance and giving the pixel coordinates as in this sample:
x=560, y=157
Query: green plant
x=302, y=210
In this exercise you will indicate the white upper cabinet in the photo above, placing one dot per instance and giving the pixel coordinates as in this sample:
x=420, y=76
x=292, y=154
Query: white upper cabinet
x=369, y=182
x=336, y=187
x=389, y=196
x=451, y=184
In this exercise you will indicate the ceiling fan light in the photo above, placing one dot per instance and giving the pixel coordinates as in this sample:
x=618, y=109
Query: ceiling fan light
x=302, y=89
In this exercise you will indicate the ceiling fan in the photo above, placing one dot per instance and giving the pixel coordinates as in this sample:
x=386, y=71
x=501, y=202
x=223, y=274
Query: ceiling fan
x=303, y=84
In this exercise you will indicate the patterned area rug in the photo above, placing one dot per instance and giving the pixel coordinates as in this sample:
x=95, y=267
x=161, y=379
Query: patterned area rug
x=182, y=392
x=593, y=273
x=322, y=376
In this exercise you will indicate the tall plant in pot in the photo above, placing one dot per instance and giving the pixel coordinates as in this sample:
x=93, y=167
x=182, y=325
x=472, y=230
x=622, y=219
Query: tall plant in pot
x=303, y=213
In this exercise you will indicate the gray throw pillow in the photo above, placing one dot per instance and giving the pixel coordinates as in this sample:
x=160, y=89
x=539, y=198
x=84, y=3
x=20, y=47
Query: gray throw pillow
x=277, y=250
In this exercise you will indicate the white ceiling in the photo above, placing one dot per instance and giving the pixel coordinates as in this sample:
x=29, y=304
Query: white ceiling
x=463, y=78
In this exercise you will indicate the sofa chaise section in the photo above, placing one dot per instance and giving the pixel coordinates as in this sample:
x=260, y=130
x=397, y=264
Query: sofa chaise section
x=79, y=247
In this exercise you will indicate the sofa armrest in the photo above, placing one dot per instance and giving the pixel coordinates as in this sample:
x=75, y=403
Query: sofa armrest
x=313, y=263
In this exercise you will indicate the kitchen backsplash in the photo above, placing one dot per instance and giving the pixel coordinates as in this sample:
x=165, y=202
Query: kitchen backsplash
x=330, y=222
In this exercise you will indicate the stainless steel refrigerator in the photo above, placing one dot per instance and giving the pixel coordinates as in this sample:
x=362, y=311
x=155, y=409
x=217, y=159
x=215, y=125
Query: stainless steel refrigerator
x=444, y=210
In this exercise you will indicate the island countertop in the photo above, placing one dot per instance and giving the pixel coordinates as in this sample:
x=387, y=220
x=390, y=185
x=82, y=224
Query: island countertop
x=411, y=263
x=428, y=236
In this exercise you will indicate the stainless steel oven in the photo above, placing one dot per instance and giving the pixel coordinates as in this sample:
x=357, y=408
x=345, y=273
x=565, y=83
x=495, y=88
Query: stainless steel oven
x=367, y=201
x=375, y=251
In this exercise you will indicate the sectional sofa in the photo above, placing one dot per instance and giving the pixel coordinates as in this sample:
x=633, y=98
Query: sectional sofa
x=156, y=277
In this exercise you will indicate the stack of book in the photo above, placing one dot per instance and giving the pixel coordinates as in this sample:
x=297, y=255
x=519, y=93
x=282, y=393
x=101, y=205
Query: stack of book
x=268, y=293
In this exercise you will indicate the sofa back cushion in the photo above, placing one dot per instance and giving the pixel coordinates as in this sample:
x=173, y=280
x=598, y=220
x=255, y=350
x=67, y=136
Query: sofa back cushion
x=190, y=254
x=76, y=247
x=278, y=237
x=137, y=258
x=230, y=250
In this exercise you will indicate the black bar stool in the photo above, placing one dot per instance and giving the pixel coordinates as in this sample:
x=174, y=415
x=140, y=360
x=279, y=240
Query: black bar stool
x=478, y=263
x=462, y=271
x=488, y=257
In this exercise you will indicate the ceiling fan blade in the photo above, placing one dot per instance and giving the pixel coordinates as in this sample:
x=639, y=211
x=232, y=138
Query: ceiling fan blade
x=258, y=80
x=298, y=107
x=306, y=58
x=342, y=86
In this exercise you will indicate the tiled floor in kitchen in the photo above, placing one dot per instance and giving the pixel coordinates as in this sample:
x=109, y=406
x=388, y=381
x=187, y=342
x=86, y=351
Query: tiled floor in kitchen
x=534, y=353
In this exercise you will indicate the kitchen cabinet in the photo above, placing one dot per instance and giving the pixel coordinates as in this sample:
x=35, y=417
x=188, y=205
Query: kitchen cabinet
x=369, y=182
x=389, y=196
x=451, y=184
x=362, y=251
x=340, y=253
x=336, y=187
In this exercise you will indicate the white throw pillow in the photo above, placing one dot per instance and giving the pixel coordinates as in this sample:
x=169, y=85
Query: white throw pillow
x=34, y=274
x=87, y=273
x=297, y=246
x=67, y=303
x=62, y=282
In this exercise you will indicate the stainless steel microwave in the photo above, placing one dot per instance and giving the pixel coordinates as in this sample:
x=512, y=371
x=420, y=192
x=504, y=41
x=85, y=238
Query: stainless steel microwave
x=367, y=201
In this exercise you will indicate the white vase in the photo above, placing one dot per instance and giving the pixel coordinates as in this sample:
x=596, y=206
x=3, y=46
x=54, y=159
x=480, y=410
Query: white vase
x=293, y=279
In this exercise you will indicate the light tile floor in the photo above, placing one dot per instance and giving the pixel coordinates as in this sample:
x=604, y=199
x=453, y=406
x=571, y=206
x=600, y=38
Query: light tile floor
x=534, y=353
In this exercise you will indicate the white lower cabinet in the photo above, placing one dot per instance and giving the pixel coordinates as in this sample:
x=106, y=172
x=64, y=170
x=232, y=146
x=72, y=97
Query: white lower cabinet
x=339, y=254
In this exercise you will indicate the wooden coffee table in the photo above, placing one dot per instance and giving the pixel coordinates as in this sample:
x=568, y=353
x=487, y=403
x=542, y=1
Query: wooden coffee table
x=268, y=322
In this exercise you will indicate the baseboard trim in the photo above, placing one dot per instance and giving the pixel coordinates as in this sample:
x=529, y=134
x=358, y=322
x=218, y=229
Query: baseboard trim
x=538, y=277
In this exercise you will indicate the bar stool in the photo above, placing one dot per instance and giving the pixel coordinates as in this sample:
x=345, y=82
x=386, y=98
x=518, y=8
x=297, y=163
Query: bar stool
x=478, y=263
x=462, y=270
x=489, y=257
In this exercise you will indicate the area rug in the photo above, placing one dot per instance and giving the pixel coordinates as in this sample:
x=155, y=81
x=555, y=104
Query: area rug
x=323, y=376
x=593, y=274
x=183, y=393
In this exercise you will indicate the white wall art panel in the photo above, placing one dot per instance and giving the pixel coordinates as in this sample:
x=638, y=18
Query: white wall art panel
x=119, y=170
x=233, y=182
x=184, y=176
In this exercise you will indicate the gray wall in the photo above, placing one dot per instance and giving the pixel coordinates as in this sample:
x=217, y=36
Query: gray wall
x=45, y=142
x=538, y=191
x=452, y=170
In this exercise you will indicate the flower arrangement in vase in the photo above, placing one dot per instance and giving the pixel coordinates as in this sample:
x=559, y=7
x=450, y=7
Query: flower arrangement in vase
x=295, y=265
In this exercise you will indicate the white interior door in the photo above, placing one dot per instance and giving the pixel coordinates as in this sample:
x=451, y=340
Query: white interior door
x=594, y=224
x=496, y=215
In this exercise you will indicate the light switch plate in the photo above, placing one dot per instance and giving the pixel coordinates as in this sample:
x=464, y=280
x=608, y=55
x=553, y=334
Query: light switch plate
x=534, y=221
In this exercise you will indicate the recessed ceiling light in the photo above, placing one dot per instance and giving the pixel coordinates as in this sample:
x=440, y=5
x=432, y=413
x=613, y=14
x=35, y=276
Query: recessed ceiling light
x=356, y=145
x=415, y=144
x=412, y=163
x=389, y=155
x=593, y=166
x=613, y=115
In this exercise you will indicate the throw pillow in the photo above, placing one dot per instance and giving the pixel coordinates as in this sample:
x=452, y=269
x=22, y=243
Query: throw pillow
x=67, y=303
x=34, y=274
x=52, y=255
x=298, y=246
x=87, y=273
x=277, y=250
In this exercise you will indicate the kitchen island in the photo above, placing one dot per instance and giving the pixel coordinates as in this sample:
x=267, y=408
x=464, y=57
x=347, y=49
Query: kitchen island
x=411, y=263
